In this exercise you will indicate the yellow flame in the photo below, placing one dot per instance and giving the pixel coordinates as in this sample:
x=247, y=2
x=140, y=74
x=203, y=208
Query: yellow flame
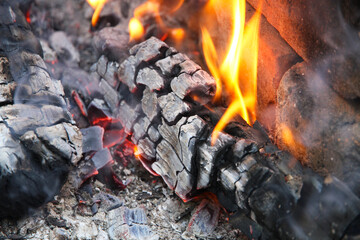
x=98, y=5
x=236, y=73
x=136, y=29
x=152, y=8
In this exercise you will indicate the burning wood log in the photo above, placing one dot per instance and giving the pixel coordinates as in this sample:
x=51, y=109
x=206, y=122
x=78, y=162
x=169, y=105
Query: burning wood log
x=38, y=137
x=271, y=192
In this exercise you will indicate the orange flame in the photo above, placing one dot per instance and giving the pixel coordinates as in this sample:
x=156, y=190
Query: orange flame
x=136, y=152
x=236, y=73
x=98, y=5
x=152, y=8
x=136, y=29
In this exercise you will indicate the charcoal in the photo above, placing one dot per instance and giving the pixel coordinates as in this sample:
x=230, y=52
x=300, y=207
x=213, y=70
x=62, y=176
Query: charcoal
x=107, y=201
x=168, y=64
x=102, y=158
x=150, y=78
x=5, y=76
x=128, y=115
x=205, y=219
x=92, y=138
x=80, y=103
x=111, y=73
x=248, y=226
x=148, y=50
x=209, y=155
x=167, y=164
x=317, y=198
x=162, y=168
x=39, y=140
x=246, y=171
x=243, y=147
x=246, y=164
x=108, y=70
x=171, y=133
x=172, y=107
x=154, y=134
x=190, y=133
x=228, y=177
x=149, y=104
x=101, y=65
x=114, y=137
x=140, y=129
x=97, y=109
x=129, y=224
x=188, y=67
x=11, y=152
x=147, y=148
x=21, y=118
x=200, y=82
x=112, y=42
x=111, y=97
x=63, y=139
x=185, y=182
x=7, y=92
x=249, y=180
x=63, y=47
x=127, y=72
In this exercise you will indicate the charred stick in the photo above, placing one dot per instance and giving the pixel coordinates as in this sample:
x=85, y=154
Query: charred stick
x=271, y=192
x=38, y=138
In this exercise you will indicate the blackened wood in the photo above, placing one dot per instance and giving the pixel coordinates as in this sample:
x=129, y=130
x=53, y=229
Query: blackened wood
x=243, y=167
x=38, y=138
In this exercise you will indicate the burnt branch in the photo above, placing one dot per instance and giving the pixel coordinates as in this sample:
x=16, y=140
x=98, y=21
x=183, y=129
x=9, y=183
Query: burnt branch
x=271, y=192
x=38, y=138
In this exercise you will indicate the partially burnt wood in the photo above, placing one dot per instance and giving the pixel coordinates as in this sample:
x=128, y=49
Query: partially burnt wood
x=243, y=168
x=38, y=138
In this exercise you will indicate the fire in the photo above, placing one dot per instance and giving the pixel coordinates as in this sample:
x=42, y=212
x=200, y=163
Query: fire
x=98, y=6
x=152, y=8
x=136, y=152
x=136, y=29
x=235, y=72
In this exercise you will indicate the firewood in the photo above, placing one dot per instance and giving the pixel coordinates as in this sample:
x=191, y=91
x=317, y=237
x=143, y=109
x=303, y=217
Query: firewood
x=39, y=140
x=249, y=174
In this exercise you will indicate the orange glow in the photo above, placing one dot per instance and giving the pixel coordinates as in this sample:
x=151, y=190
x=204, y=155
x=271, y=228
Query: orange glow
x=136, y=152
x=236, y=71
x=98, y=5
x=177, y=34
x=152, y=8
x=136, y=29
x=290, y=140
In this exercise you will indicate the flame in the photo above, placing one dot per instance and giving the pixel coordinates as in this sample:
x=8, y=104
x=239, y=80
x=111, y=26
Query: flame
x=136, y=152
x=236, y=72
x=136, y=29
x=98, y=6
x=152, y=8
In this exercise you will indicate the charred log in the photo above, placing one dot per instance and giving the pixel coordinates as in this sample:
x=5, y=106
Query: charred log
x=38, y=139
x=268, y=188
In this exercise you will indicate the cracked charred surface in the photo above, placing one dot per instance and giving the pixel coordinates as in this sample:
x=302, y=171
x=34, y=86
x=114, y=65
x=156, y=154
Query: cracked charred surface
x=267, y=187
x=38, y=137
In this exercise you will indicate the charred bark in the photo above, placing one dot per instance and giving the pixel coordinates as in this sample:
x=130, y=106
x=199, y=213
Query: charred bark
x=38, y=138
x=272, y=194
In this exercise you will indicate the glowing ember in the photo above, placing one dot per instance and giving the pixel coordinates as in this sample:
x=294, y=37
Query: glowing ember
x=98, y=6
x=152, y=8
x=236, y=72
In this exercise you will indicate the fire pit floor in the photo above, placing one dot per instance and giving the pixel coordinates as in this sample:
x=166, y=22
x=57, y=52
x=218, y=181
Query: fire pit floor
x=70, y=215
